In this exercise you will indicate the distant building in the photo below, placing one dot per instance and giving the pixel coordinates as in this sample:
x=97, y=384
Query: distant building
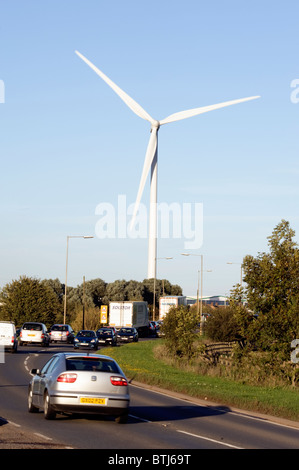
x=216, y=300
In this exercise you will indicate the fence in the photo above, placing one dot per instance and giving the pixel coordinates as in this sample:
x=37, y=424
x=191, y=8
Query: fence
x=219, y=352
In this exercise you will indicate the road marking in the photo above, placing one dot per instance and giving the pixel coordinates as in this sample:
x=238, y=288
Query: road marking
x=208, y=439
x=43, y=436
x=15, y=424
x=25, y=363
x=190, y=434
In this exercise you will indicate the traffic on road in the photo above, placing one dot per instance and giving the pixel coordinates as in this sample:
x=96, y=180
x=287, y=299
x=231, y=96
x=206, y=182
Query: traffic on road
x=83, y=405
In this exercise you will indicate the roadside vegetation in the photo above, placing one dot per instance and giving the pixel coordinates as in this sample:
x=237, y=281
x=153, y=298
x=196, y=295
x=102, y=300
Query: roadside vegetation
x=148, y=362
x=243, y=356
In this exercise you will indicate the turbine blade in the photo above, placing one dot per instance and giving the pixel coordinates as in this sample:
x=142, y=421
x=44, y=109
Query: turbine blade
x=132, y=104
x=194, y=112
x=150, y=153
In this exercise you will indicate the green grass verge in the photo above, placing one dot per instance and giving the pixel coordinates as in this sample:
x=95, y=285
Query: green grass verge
x=138, y=362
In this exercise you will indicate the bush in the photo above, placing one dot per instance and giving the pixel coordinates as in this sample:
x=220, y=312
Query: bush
x=221, y=325
x=180, y=327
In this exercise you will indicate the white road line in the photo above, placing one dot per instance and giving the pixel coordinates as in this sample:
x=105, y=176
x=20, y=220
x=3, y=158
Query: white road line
x=25, y=363
x=208, y=439
x=14, y=424
x=43, y=436
x=193, y=435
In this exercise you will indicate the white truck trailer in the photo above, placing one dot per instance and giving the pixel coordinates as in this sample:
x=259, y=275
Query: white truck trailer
x=166, y=302
x=131, y=314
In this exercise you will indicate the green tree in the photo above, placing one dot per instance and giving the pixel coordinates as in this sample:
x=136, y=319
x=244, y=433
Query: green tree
x=116, y=291
x=29, y=299
x=180, y=327
x=273, y=291
x=96, y=290
x=56, y=286
x=272, y=278
x=134, y=290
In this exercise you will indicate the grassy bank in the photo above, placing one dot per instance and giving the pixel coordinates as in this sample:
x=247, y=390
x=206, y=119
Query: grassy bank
x=139, y=362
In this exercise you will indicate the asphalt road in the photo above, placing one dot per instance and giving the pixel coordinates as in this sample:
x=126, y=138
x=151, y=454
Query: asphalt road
x=157, y=420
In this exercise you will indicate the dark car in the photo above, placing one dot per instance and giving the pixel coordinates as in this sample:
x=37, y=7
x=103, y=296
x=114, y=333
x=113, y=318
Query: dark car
x=153, y=327
x=106, y=336
x=86, y=339
x=63, y=333
x=127, y=335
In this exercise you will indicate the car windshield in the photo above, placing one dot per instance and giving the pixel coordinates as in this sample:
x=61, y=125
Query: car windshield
x=127, y=331
x=59, y=328
x=32, y=326
x=88, y=363
x=86, y=334
x=104, y=332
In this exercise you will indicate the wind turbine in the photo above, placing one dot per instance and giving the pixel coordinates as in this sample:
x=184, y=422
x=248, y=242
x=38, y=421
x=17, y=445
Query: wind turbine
x=151, y=155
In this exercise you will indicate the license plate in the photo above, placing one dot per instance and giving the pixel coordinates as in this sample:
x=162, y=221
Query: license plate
x=31, y=334
x=93, y=401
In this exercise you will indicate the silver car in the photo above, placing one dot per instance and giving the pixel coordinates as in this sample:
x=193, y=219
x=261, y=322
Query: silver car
x=79, y=383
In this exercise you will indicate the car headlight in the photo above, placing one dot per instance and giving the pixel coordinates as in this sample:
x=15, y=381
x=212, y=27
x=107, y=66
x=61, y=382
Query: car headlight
x=76, y=340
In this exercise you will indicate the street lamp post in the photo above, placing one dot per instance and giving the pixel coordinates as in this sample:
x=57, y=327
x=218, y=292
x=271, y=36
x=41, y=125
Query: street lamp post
x=201, y=270
x=240, y=264
x=154, y=302
x=67, y=252
x=201, y=282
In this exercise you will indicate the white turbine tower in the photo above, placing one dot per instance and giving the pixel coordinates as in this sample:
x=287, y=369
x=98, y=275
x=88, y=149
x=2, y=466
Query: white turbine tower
x=152, y=155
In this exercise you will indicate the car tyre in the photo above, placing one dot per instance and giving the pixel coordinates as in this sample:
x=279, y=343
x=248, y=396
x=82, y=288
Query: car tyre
x=49, y=413
x=122, y=419
x=31, y=407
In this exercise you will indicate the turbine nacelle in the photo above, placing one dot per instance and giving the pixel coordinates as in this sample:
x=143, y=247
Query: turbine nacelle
x=155, y=125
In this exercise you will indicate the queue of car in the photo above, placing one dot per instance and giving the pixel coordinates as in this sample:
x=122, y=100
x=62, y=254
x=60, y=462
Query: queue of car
x=36, y=333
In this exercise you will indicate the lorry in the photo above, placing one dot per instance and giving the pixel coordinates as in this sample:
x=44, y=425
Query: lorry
x=133, y=314
x=168, y=301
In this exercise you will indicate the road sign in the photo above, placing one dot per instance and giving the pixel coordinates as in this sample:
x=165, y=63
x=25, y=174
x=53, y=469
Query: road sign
x=104, y=313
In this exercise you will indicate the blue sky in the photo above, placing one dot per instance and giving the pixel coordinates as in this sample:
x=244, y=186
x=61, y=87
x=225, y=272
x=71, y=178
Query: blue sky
x=68, y=143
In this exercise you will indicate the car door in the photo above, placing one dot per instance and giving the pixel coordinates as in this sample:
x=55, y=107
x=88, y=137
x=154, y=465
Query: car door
x=43, y=378
x=35, y=385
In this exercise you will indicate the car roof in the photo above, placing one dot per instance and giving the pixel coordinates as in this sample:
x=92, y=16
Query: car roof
x=67, y=355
